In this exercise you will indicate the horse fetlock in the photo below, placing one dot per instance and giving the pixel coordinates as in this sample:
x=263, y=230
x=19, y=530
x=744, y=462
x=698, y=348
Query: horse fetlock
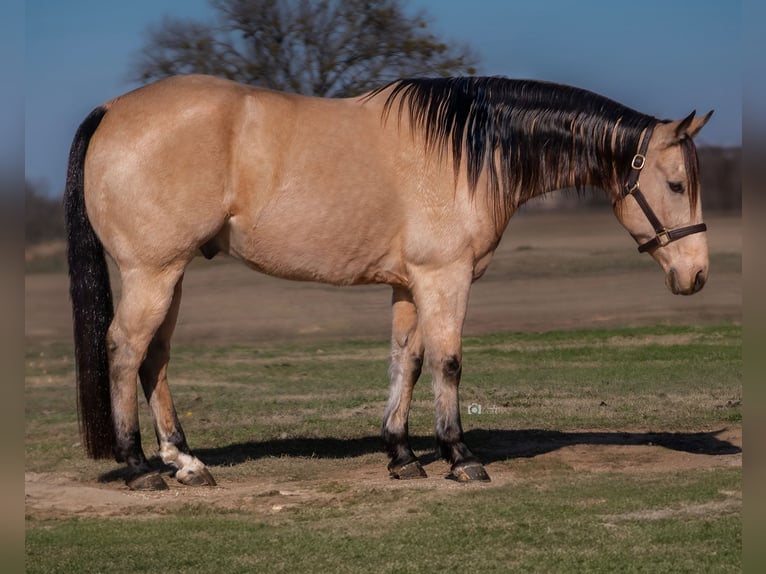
x=449, y=437
x=394, y=428
x=170, y=454
x=128, y=449
x=396, y=442
x=456, y=452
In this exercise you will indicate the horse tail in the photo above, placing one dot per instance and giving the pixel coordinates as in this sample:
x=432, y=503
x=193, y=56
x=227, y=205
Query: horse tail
x=91, y=295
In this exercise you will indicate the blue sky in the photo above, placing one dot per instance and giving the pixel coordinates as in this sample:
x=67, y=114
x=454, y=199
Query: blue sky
x=662, y=57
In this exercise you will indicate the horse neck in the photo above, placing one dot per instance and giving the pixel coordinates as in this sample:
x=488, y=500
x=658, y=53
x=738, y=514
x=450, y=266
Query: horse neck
x=535, y=171
x=541, y=170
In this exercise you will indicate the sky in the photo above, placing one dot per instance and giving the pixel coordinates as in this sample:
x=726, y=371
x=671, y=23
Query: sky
x=661, y=57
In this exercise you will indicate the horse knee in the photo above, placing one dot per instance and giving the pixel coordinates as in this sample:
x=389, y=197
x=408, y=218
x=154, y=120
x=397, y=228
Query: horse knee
x=451, y=367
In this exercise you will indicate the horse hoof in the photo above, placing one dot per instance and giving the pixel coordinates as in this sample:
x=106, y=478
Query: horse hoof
x=471, y=472
x=148, y=481
x=410, y=470
x=201, y=477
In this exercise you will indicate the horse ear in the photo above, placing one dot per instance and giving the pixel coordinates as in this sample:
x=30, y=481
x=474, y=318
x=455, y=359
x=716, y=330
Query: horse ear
x=690, y=125
x=698, y=124
x=684, y=124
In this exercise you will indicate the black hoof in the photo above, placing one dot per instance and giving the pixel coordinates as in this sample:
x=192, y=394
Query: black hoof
x=410, y=470
x=469, y=472
x=201, y=477
x=148, y=481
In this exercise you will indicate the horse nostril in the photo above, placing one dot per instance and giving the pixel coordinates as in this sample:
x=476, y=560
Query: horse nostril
x=699, y=280
x=670, y=281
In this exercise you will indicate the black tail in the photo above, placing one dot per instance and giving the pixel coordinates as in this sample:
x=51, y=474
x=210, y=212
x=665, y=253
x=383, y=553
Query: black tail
x=92, y=309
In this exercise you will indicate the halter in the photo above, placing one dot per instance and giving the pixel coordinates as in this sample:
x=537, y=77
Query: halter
x=663, y=235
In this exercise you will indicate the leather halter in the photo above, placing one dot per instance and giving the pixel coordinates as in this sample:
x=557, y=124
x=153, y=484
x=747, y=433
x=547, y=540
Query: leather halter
x=663, y=235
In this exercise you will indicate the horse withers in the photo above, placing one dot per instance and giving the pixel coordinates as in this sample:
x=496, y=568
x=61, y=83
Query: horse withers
x=411, y=185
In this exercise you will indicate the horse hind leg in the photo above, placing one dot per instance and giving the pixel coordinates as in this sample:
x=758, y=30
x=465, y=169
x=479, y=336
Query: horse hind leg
x=406, y=365
x=170, y=436
x=144, y=304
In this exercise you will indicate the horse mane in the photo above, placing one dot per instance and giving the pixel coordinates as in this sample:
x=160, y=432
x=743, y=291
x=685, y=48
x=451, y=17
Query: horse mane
x=532, y=136
x=692, y=166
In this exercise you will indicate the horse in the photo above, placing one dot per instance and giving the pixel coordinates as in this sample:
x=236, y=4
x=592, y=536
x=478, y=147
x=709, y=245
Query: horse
x=411, y=185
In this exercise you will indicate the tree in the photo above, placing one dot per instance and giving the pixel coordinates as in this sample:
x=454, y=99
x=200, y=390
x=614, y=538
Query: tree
x=313, y=47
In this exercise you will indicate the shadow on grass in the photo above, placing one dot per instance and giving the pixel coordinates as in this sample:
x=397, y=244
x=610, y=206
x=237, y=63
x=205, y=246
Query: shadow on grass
x=489, y=445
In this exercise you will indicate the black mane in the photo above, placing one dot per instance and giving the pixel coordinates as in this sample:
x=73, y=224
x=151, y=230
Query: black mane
x=532, y=136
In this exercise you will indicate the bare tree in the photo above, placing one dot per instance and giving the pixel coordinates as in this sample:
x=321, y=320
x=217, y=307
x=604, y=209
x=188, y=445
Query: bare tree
x=313, y=47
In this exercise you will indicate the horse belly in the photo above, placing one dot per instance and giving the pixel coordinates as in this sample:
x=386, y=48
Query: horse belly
x=312, y=237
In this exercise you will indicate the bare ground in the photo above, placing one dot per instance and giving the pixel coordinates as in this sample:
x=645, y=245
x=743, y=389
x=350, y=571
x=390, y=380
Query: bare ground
x=57, y=495
x=552, y=271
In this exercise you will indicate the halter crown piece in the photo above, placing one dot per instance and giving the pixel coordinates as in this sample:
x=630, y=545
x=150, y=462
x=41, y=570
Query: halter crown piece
x=663, y=235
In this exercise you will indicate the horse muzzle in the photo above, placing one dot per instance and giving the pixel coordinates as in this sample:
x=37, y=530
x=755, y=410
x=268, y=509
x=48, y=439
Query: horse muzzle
x=685, y=284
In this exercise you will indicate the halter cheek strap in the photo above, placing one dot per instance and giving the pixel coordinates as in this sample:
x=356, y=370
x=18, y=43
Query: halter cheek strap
x=663, y=236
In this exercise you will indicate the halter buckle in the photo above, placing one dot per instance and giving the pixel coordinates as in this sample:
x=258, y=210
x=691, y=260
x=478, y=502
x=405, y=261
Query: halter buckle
x=663, y=237
x=638, y=161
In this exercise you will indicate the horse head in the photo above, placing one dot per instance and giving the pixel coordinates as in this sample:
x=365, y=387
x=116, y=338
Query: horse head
x=660, y=206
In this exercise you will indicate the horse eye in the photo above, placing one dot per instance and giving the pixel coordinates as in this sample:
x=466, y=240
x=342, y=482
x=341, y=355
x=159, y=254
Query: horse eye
x=676, y=186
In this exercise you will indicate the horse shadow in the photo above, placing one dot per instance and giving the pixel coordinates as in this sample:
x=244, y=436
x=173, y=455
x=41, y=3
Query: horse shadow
x=489, y=445
x=493, y=446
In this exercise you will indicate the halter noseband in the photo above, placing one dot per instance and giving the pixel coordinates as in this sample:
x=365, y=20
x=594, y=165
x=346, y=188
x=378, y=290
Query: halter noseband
x=663, y=235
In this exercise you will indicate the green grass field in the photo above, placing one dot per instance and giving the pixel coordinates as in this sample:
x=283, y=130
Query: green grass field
x=604, y=447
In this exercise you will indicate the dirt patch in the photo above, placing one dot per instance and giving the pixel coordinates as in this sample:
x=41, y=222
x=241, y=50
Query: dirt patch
x=59, y=495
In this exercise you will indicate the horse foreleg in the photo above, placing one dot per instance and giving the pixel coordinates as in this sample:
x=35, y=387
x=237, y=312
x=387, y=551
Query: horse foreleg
x=146, y=298
x=406, y=364
x=442, y=300
x=154, y=379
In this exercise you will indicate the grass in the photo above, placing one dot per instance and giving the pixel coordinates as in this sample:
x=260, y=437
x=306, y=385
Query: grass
x=579, y=523
x=301, y=416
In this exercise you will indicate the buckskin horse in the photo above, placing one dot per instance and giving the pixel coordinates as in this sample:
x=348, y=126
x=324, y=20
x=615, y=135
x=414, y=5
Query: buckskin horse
x=411, y=185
